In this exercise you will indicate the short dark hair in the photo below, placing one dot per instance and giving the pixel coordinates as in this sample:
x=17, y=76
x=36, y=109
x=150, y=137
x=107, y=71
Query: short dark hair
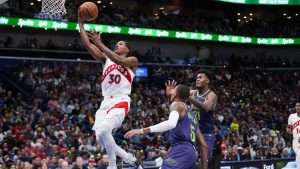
x=128, y=46
x=183, y=92
x=207, y=73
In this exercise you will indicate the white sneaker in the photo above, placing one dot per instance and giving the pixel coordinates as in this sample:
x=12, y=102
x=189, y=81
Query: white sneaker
x=131, y=159
x=109, y=167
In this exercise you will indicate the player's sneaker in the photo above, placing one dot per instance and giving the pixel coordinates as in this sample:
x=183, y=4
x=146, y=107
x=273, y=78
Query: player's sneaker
x=137, y=164
x=133, y=161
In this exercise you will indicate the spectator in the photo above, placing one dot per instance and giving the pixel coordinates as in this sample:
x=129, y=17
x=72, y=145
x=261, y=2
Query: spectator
x=44, y=165
x=104, y=162
x=234, y=126
x=79, y=163
x=53, y=163
x=64, y=165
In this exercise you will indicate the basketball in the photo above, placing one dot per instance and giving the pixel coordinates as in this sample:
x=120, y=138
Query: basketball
x=88, y=11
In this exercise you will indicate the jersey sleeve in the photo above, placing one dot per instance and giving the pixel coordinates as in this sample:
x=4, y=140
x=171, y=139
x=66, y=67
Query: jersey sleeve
x=290, y=121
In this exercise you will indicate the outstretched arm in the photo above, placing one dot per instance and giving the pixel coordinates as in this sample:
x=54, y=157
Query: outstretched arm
x=176, y=113
x=127, y=62
x=209, y=104
x=93, y=50
x=203, y=149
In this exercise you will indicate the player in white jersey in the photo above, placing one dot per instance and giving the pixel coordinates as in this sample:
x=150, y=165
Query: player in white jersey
x=117, y=78
x=294, y=128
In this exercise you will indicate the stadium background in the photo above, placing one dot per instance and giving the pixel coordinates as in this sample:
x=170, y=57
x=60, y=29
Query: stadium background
x=50, y=90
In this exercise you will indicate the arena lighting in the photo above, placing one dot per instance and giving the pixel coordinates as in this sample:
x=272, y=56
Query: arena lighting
x=31, y=3
x=148, y=32
x=284, y=14
x=239, y=20
x=263, y=2
x=239, y=14
x=245, y=17
x=250, y=14
x=296, y=14
x=99, y=2
x=111, y=3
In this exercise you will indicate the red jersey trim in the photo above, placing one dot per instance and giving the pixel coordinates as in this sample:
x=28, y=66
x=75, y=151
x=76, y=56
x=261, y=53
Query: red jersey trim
x=108, y=70
x=120, y=105
x=125, y=72
x=296, y=124
x=122, y=69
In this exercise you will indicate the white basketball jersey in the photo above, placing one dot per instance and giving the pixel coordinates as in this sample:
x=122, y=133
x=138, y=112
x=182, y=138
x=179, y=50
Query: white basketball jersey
x=116, y=79
x=294, y=121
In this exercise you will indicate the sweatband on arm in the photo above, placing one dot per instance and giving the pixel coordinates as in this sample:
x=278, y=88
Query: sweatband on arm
x=166, y=125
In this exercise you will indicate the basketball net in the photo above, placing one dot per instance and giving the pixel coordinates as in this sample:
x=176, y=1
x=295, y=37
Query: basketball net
x=2, y=1
x=54, y=8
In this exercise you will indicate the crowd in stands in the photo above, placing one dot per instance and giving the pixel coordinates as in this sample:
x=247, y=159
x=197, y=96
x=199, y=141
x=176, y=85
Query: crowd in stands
x=154, y=55
x=33, y=43
x=197, y=20
x=51, y=127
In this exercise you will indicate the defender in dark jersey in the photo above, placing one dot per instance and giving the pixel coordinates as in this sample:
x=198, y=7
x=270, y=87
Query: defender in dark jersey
x=204, y=102
x=184, y=132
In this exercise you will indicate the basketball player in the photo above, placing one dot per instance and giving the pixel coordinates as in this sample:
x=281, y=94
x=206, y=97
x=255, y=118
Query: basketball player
x=204, y=101
x=184, y=131
x=118, y=73
x=294, y=128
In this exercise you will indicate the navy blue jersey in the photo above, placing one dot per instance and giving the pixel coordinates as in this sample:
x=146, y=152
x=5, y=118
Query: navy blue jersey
x=205, y=119
x=182, y=138
x=185, y=129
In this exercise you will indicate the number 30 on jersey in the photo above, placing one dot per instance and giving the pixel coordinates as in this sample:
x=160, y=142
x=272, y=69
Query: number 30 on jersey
x=114, y=79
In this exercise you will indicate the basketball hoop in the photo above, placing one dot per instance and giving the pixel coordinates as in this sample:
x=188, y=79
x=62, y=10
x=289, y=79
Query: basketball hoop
x=53, y=9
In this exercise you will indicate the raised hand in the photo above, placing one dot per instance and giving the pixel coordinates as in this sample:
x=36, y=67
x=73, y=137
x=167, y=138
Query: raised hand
x=94, y=36
x=170, y=86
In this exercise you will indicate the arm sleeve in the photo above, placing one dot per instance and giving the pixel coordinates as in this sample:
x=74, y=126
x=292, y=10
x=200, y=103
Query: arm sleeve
x=166, y=125
x=290, y=122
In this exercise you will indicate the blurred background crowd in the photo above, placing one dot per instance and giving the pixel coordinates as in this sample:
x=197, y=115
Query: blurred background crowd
x=51, y=121
x=47, y=108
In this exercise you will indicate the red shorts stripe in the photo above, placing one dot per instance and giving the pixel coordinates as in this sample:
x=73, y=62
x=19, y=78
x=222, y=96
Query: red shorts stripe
x=120, y=105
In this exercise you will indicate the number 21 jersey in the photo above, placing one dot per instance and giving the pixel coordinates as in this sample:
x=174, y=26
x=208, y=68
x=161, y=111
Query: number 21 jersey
x=116, y=79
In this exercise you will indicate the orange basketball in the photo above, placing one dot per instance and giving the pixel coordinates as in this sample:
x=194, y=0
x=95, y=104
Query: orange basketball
x=88, y=11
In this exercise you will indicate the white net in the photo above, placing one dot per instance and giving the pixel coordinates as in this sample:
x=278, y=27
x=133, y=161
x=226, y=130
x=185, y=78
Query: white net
x=54, y=9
